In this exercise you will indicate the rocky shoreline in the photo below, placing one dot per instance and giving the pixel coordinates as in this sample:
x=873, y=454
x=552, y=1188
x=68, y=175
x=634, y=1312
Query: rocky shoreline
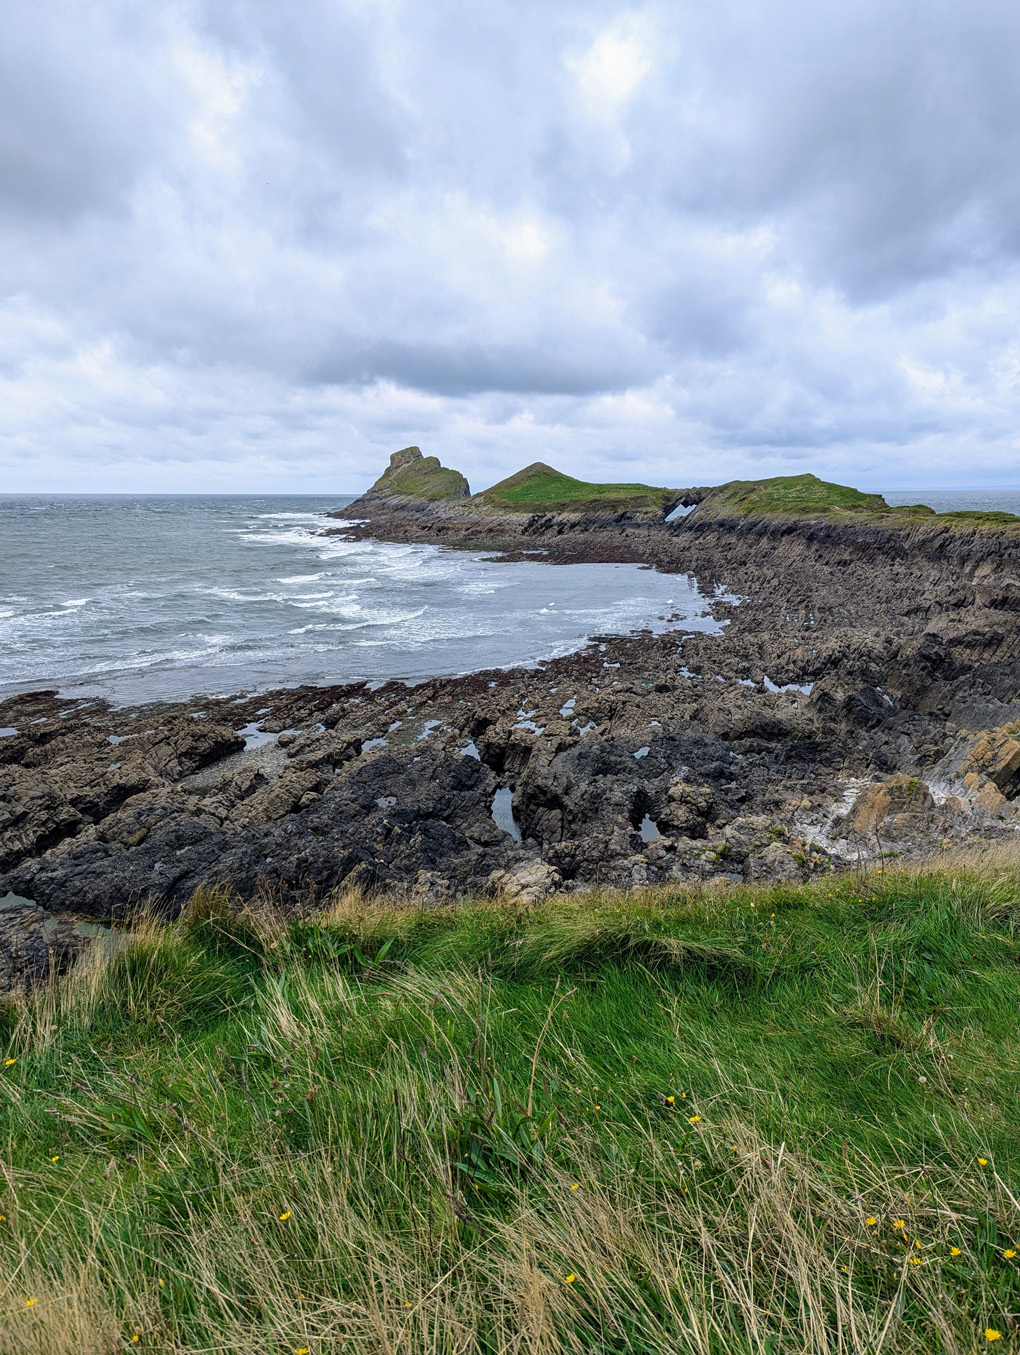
x=863, y=701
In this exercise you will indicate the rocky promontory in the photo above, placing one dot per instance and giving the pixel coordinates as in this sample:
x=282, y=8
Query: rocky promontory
x=862, y=702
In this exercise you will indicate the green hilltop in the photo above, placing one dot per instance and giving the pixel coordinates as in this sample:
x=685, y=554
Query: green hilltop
x=808, y=496
x=539, y=486
x=793, y=494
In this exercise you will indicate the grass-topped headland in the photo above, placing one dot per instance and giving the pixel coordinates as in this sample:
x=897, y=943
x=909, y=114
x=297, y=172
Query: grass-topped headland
x=806, y=496
x=721, y=1121
x=420, y=477
x=540, y=488
x=792, y=494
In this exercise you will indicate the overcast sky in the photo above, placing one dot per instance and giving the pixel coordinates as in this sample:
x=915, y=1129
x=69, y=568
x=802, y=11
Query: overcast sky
x=257, y=246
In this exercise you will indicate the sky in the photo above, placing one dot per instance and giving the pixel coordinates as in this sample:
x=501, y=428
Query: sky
x=255, y=247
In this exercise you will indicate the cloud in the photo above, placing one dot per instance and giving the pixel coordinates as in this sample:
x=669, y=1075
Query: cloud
x=696, y=241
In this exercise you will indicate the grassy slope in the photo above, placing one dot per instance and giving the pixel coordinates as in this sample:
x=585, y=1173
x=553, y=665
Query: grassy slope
x=541, y=488
x=425, y=479
x=647, y=1124
x=794, y=494
x=807, y=496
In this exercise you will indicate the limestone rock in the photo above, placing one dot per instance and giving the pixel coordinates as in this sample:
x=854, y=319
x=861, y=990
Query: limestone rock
x=897, y=795
x=528, y=883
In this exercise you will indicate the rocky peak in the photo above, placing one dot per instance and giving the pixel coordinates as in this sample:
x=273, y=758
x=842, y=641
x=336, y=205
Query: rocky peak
x=403, y=458
x=410, y=476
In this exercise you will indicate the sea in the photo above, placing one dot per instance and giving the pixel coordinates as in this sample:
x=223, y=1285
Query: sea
x=156, y=597
x=153, y=598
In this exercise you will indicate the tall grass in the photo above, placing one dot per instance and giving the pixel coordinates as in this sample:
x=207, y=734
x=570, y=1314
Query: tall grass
x=782, y=1120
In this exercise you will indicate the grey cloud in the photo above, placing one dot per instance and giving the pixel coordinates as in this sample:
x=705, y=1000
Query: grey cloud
x=600, y=233
x=544, y=369
x=84, y=105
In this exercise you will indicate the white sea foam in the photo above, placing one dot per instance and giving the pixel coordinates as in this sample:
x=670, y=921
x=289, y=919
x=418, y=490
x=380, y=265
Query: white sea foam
x=211, y=603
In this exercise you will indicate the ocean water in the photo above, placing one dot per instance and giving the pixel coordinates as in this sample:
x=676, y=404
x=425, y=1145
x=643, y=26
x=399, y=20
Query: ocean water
x=141, y=598
x=946, y=500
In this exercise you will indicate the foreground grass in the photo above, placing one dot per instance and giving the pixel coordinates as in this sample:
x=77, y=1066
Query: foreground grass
x=773, y=1121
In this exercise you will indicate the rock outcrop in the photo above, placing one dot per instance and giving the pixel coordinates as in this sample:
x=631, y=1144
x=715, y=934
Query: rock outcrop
x=411, y=481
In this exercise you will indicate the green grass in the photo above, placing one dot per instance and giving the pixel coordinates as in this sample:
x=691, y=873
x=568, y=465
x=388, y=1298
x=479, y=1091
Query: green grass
x=541, y=488
x=793, y=494
x=981, y=515
x=423, y=478
x=807, y=496
x=648, y=1123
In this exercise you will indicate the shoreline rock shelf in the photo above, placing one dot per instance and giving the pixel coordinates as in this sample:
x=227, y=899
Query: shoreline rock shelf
x=863, y=700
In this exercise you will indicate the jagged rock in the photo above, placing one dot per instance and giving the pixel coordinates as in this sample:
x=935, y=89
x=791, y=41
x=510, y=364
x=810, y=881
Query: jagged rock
x=778, y=862
x=33, y=945
x=285, y=795
x=687, y=808
x=527, y=883
x=34, y=814
x=139, y=815
x=897, y=795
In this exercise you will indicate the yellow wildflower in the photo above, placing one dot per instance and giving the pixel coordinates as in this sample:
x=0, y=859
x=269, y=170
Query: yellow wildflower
x=670, y=1099
x=8, y=1062
x=55, y=1157
x=576, y=1186
x=300, y=1350
x=569, y=1279
x=916, y=1261
x=899, y=1223
x=285, y=1216
x=982, y=1162
x=136, y=1336
x=954, y=1251
x=29, y=1302
x=693, y=1119
x=870, y=1221
x=992, y=1335
x=1009, y=1253
x=917, y=1245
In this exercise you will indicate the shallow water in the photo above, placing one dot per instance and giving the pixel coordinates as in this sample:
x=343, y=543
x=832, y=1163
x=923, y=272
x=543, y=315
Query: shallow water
x=163, y=597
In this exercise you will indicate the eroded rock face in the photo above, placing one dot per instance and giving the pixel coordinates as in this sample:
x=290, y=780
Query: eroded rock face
x=34, y=945
x=894, y=798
